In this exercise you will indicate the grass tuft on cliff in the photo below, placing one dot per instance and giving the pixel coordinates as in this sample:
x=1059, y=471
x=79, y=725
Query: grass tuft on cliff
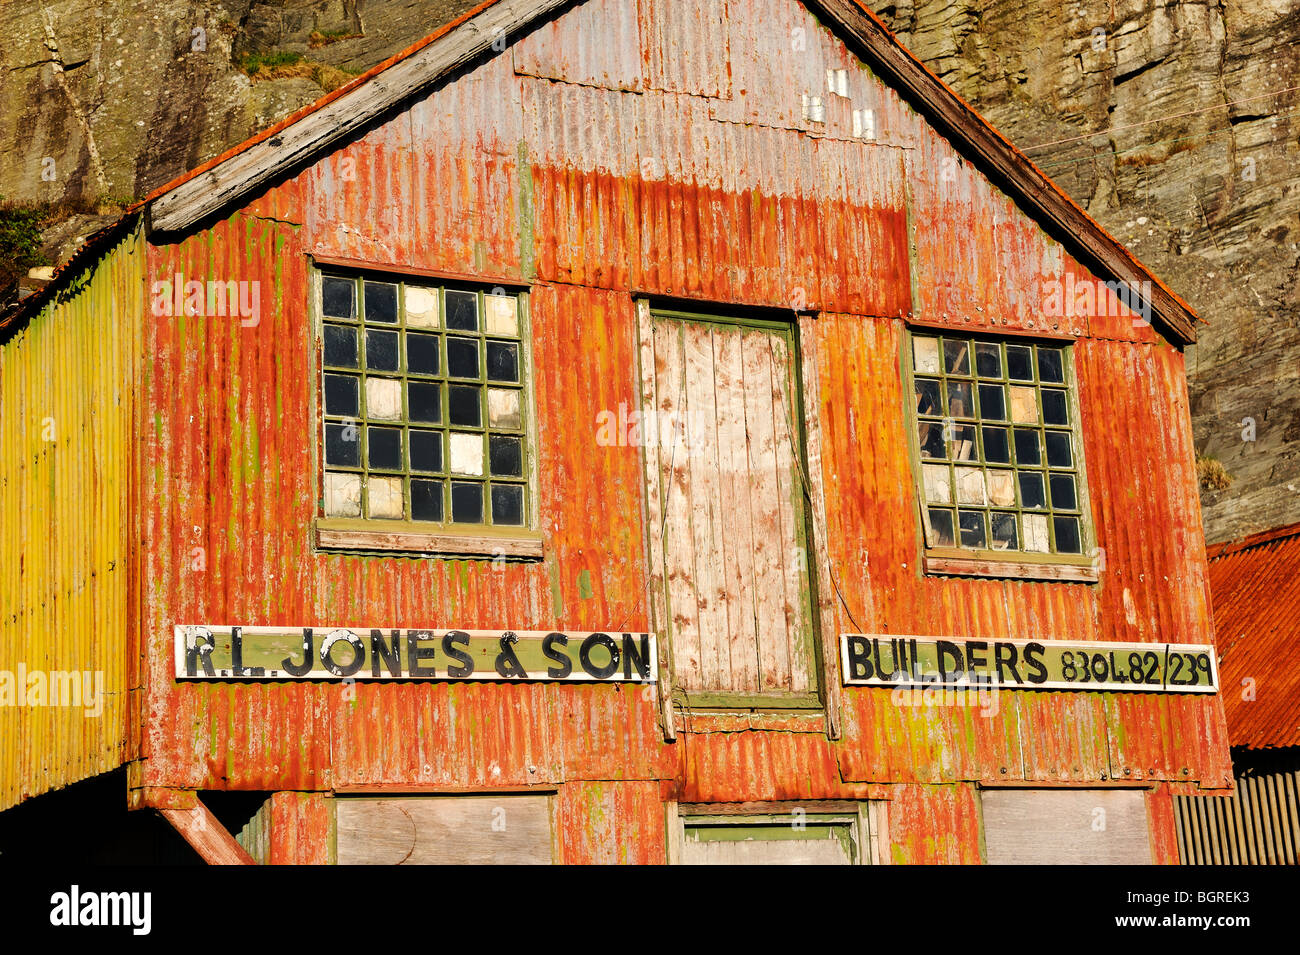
x=320, y=38
x=1212, y=474
x=286, y=64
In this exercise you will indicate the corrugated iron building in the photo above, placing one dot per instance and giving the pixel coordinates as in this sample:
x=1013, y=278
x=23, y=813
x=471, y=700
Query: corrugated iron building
x=1255, y=585
x=707, y=322
x=67, y=428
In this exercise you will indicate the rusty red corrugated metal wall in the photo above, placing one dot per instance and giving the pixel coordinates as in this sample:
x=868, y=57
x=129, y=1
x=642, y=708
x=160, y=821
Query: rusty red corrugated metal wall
x=657, y=163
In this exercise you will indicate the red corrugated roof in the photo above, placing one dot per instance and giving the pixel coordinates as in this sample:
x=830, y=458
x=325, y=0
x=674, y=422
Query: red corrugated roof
x=1255, y=586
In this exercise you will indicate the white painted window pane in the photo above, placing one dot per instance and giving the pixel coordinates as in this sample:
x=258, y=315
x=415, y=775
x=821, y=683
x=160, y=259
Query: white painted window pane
x=342, y=495
x=383, y=398
x=385, y=497
x=502, y=315
x=757, y=845
x=466, y=453
x=925, y=352
x=503, y=408
x=421, y=307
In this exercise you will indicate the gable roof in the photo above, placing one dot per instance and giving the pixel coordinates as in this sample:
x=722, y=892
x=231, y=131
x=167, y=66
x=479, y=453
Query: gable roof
x=1255, y=588
x=233, y=175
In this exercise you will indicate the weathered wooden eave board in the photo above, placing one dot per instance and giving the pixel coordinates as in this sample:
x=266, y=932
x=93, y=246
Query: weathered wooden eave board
x=231, y=180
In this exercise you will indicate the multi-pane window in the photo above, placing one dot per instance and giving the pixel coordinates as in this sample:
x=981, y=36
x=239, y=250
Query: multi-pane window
x=999, y=447
x=423, y=394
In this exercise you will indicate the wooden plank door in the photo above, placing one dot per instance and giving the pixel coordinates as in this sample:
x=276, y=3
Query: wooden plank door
x=730, y=556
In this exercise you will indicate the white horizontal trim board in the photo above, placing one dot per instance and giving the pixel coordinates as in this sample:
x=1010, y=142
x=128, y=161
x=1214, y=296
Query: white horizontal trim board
x=211, y=652
x=899, y=661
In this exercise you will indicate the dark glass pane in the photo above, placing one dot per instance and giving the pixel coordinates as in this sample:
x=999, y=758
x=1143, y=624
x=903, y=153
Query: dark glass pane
x=463, y=406
x=930, y=436
x=506, y=456
x=1027, y=450
x=462, y=311
x=466, y=503
x=426, y=451
x=342, y=445
x=972, y=528
x=1054, y=411
x=341, y=346
x=341, y=396
x=426, y=500
x=993, y=403
x=1058, y=449
x=956, y=356
x=1067, y=535
x=1018, y=363
x=381, y=302
x=384, y=448
x=960, y=404
x=963, y=444
x=1063, y=496
x=1005, y=536
x=1050, y=366
x=988, y=360
x=927, y=397
x=941, y=524
x=507, y=504
x=997, y=445
x=462, y=357
x=421, y=354
x=1031, y=491
x=338, y=298
x=423, y=402
x=381, y=350
x=502, y=361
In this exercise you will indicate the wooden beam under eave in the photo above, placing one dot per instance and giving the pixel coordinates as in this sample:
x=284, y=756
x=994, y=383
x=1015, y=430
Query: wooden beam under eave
x=210, y=839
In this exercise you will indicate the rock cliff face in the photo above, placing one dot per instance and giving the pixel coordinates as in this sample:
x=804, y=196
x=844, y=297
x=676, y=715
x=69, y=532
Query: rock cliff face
x=1173, y=123
x=116, y=97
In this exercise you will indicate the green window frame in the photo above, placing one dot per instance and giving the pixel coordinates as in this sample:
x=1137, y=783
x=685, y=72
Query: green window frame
x=425, y=415
x=993, y=424
x=852, y=826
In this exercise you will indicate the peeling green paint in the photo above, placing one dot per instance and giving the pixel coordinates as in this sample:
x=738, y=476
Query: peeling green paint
x=584, y=585
x=557, y=599
x=526, y=214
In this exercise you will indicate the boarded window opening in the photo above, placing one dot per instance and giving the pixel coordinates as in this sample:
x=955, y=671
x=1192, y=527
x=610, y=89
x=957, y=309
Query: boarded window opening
x=1066, y=827
x=723, y=438
x=444, y=830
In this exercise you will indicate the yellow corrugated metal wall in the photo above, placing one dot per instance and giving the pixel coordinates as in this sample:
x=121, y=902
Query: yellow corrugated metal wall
x=65, y=454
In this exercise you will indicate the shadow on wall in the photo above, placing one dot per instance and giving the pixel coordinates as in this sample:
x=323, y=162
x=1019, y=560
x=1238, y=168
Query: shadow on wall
x=88, y=824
